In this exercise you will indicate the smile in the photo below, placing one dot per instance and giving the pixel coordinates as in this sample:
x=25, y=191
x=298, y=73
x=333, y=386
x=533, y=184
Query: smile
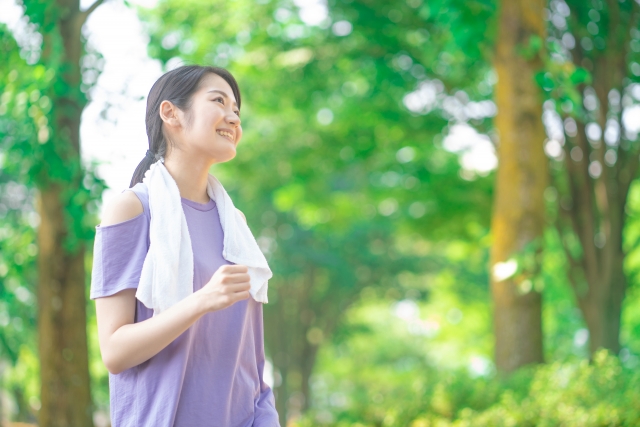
x=225, y=134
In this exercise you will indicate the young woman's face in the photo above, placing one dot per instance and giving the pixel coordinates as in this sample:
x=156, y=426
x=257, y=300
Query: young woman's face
x=214, y=129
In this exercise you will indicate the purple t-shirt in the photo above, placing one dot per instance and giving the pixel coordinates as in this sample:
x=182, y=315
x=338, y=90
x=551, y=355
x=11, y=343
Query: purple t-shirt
x=212, y=374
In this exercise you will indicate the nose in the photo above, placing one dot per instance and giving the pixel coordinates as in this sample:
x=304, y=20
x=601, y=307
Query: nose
x=233, y=119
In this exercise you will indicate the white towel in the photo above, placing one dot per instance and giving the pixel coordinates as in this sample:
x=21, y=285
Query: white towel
x=167, y=272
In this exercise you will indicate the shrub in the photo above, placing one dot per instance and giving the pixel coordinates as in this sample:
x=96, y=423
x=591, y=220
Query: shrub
x=567, y=394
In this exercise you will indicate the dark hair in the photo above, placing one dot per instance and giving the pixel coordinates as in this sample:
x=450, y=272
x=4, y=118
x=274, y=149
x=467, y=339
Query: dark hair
x=176, y=86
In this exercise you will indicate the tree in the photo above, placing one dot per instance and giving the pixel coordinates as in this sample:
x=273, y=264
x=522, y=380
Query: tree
x=43, y=151
x=589, y=75
x=519, y=210
x=588, y=67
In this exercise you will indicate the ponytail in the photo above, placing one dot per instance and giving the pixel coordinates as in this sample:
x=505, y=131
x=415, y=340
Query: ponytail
x=149, y=159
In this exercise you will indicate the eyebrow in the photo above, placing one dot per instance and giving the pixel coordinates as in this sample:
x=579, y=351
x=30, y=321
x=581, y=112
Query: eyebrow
x=223, y=94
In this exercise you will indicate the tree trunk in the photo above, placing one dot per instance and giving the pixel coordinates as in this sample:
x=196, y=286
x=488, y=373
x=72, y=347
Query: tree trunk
x=518, y=217
x=276, y=339
x=287, y=338
x=280, y=339
x=64, y=369
x=293, y=337
x=602, y=313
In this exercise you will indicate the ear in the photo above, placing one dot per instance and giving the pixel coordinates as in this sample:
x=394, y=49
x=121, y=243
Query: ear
x=170, y=114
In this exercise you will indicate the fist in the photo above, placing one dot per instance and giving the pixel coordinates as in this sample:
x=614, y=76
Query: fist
x=228, y=285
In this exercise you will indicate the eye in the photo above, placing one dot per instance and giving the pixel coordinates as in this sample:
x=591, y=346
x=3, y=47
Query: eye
x=237, y=113
x=221, y=98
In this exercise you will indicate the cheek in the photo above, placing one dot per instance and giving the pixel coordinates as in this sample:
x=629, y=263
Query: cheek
x=209, y=116
x=215, y=115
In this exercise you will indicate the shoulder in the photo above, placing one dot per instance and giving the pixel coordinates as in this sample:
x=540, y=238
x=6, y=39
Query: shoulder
x=243, y=217
x=122, y=207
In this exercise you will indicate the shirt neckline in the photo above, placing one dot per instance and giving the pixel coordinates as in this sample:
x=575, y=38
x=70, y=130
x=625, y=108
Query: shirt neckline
x=199, y=206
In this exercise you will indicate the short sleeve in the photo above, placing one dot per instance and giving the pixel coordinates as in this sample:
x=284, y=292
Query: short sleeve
x=118, y=255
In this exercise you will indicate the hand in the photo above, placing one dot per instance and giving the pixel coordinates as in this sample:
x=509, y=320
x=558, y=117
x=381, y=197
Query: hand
x=228, y=285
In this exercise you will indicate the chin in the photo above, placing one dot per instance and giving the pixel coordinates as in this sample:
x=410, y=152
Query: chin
x=229, y=155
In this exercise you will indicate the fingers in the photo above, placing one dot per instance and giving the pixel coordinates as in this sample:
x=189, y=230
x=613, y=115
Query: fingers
x=239, y=287
x=239, y=296
x=233, y=268
x=232, y=279
x=233, y=273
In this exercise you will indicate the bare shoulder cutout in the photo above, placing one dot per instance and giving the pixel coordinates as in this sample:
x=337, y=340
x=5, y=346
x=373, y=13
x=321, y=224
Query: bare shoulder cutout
x=122, y=207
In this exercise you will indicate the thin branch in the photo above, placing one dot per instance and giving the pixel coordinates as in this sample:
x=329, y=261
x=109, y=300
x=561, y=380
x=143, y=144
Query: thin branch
x=85, y=13
x=13, y=356
x=562, y=214
x=573, y=264
x=570, y=258
x=580, y=189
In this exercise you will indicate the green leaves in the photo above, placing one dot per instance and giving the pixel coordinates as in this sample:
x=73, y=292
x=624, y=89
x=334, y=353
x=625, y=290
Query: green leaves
x=333, y=169
x=386, y=381
x=545, y=81
x=37, y=151
x=532, y=48
x=580, y=75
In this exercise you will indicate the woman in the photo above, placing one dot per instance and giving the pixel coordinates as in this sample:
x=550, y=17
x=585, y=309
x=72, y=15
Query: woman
x=200, y=362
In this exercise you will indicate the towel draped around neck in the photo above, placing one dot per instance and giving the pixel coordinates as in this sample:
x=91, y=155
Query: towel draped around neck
x=167, y=272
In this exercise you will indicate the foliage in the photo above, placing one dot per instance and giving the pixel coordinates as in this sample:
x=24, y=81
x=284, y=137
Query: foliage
x=337, y=177
x=324, y=151
x=333, y=135
x=386, y=372
x=17, y=234
x=35, y=151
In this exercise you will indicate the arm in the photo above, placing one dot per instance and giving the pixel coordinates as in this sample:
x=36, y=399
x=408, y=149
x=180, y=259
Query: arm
x=123, y=343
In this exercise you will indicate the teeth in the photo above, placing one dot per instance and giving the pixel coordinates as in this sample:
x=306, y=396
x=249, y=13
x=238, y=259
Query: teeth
x=225, y=134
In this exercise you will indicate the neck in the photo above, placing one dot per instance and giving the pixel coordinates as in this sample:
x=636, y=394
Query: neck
x=190, y=174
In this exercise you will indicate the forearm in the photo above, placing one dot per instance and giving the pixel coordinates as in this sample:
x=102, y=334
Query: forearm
x=136, y=343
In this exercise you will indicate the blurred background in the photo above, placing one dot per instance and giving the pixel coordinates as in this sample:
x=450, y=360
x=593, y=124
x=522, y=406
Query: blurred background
x=446, y=192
